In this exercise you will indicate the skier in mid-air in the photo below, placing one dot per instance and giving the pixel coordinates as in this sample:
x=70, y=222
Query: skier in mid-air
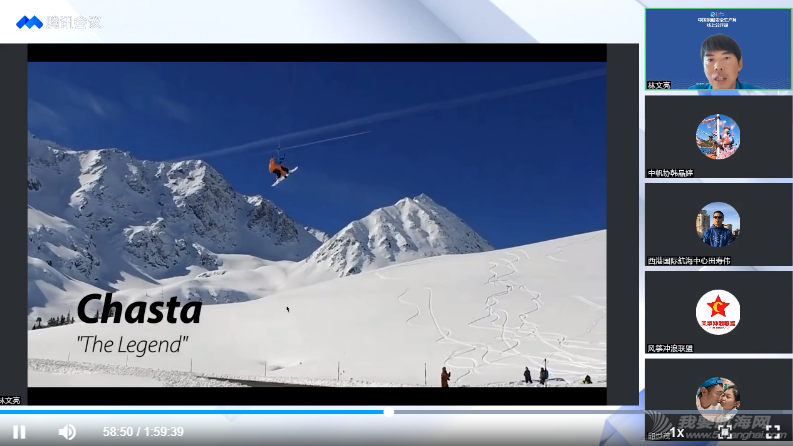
x=277, y=168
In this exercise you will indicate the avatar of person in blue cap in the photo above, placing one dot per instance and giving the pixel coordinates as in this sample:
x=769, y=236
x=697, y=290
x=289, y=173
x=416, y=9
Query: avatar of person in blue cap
x=709, y=394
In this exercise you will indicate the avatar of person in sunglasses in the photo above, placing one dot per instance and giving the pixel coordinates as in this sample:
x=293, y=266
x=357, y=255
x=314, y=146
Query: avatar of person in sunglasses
x=717, y=235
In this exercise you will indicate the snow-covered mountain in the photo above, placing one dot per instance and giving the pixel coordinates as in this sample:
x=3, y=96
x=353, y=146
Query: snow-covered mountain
x=411, y=229
x=99, y=215
x=102, y=221
x=319, y=235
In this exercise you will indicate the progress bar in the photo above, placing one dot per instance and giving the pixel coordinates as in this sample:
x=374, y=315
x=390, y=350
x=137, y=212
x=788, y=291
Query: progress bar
x=387, y=412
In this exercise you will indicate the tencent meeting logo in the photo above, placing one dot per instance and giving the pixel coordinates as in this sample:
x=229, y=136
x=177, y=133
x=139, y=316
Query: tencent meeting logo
x=30, y=23
x=61, y=22
x=718, y=312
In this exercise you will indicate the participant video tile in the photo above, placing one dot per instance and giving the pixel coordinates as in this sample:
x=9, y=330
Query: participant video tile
x=717, y=311
x=741, y=224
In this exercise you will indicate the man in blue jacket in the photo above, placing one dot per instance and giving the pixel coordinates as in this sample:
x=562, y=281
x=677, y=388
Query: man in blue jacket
x=721, y=57
x=717, y=235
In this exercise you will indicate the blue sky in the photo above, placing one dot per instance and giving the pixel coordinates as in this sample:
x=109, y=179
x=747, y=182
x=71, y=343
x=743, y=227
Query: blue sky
x=730, y=214
x=708, y=127
x=518, y=169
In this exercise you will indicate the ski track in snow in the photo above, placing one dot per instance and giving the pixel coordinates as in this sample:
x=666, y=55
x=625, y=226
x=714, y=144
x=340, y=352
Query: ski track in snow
x=418, y=309
x=558, y=342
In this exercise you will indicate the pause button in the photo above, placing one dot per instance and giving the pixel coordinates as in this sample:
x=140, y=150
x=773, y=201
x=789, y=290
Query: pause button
x=19, y=432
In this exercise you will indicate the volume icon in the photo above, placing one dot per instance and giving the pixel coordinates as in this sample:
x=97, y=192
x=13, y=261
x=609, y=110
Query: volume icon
x=68, y=432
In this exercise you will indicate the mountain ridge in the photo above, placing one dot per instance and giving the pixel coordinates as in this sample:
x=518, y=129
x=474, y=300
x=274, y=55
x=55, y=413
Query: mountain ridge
x=410, y=229
x=157, y=215
x=113, y=222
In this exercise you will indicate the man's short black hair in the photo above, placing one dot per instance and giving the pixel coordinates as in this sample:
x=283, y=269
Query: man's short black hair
x=718, y=212
x=712, y=386
x=720, y=42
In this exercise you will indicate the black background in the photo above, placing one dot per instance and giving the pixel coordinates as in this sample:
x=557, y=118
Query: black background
x=765, y=298
x=13, y=127
x=322, y=52
x=766, y=237
x=765, y=123
x=319, y=396
x=622, y=156
x=765, y=384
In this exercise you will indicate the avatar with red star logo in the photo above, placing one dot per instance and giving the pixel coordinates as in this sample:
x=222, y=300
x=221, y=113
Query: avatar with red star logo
x=718, y=307
x=712, y=312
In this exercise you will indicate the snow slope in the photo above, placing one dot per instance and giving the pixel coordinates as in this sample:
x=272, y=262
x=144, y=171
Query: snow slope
x=484, y=316
x=41, y=379
x=49, y=373
x=51, y=294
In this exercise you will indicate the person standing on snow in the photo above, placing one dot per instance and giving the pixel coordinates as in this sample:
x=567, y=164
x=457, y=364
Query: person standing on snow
x=445, y=377
x=527, y=375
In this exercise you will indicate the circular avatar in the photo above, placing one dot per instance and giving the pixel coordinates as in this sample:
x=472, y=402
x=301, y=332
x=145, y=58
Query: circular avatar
x=718, y=137
x=718, y=312
x=718, y=394
x=718, y=224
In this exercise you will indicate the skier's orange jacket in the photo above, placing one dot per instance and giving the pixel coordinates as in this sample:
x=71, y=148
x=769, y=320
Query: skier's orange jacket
x=274, y=166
